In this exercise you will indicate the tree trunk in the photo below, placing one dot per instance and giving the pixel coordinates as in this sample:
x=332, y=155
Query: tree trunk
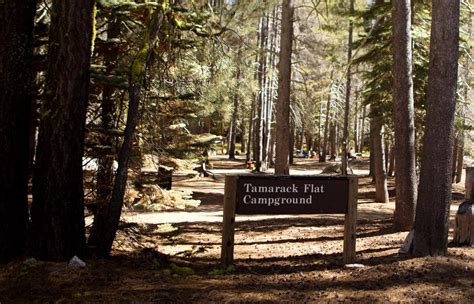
x=345, y=132
x=16, y=85
x=460, y=161
x=269, y=113
x=391, y=165
x=259, y=146
x=372, y=153
x=455, y=158
x=284, y=88
x=356, y=127
x=271, y=149
x=107, y=219
x=432, y=211
x=381, y=191
x=250, y=138
x=233, y=124
x=243, y=129
x=386, y=153
x=58, y=199
x=326, y=126
x=105, y=171
x=403, y=108
x=362, y=130
x=332, y=141
x=291, y=143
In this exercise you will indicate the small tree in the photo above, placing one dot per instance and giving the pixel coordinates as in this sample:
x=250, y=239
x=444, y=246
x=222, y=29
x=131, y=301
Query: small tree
x=108, y=216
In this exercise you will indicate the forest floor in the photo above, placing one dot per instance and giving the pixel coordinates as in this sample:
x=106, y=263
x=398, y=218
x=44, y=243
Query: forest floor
x=173, y=257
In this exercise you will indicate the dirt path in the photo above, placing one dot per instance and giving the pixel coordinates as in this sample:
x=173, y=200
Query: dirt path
x=279, y=259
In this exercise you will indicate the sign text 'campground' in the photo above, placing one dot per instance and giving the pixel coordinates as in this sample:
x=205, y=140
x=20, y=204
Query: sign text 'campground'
x=295, y=195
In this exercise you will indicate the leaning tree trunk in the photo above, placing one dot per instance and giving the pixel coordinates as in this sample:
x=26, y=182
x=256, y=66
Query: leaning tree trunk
x=16, y=85
x=284, y=88
x=107, y=219
x=434, y=197
x=58, y=199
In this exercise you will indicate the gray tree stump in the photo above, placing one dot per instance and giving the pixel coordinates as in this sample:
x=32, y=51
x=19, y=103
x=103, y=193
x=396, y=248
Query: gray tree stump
x=464, y=229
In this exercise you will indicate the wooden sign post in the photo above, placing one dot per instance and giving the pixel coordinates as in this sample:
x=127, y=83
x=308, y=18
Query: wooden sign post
x=272, y=194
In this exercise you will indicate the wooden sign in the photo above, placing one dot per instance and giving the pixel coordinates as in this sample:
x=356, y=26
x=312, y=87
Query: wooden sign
x=272, y=194
x=292, y=195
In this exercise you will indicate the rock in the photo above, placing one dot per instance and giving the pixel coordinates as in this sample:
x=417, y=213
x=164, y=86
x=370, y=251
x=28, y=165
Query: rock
x=76, y=262
x=407, y=243
x=335, y=169
x=30, y=261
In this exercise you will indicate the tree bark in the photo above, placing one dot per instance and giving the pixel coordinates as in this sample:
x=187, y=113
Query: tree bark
x=250, y=138
x=345, y=133
x=434, y=197
x=326, y=127
x=268, y=157
x=291, y=143
x=332, y=141
x=356, y=127
x=233, y=124
x=381, y=191
x=455, y=158
x=460, y=161
x=362, y=129
x=403, y=108
x=107, y=219
x=16, y=85
x=105, y=171
x=284, y=88
x=259, y=146
x=58, y=199
x=243, y=139
x=391, y=164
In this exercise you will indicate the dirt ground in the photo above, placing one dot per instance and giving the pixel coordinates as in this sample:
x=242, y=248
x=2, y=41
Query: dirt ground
x=173, y=257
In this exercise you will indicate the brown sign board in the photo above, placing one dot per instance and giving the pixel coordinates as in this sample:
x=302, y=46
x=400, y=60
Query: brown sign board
x=273, y=194
x=296, y=194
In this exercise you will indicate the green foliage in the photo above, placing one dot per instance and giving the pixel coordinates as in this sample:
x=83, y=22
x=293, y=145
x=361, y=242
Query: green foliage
x=177, y=271
x=376, y=58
